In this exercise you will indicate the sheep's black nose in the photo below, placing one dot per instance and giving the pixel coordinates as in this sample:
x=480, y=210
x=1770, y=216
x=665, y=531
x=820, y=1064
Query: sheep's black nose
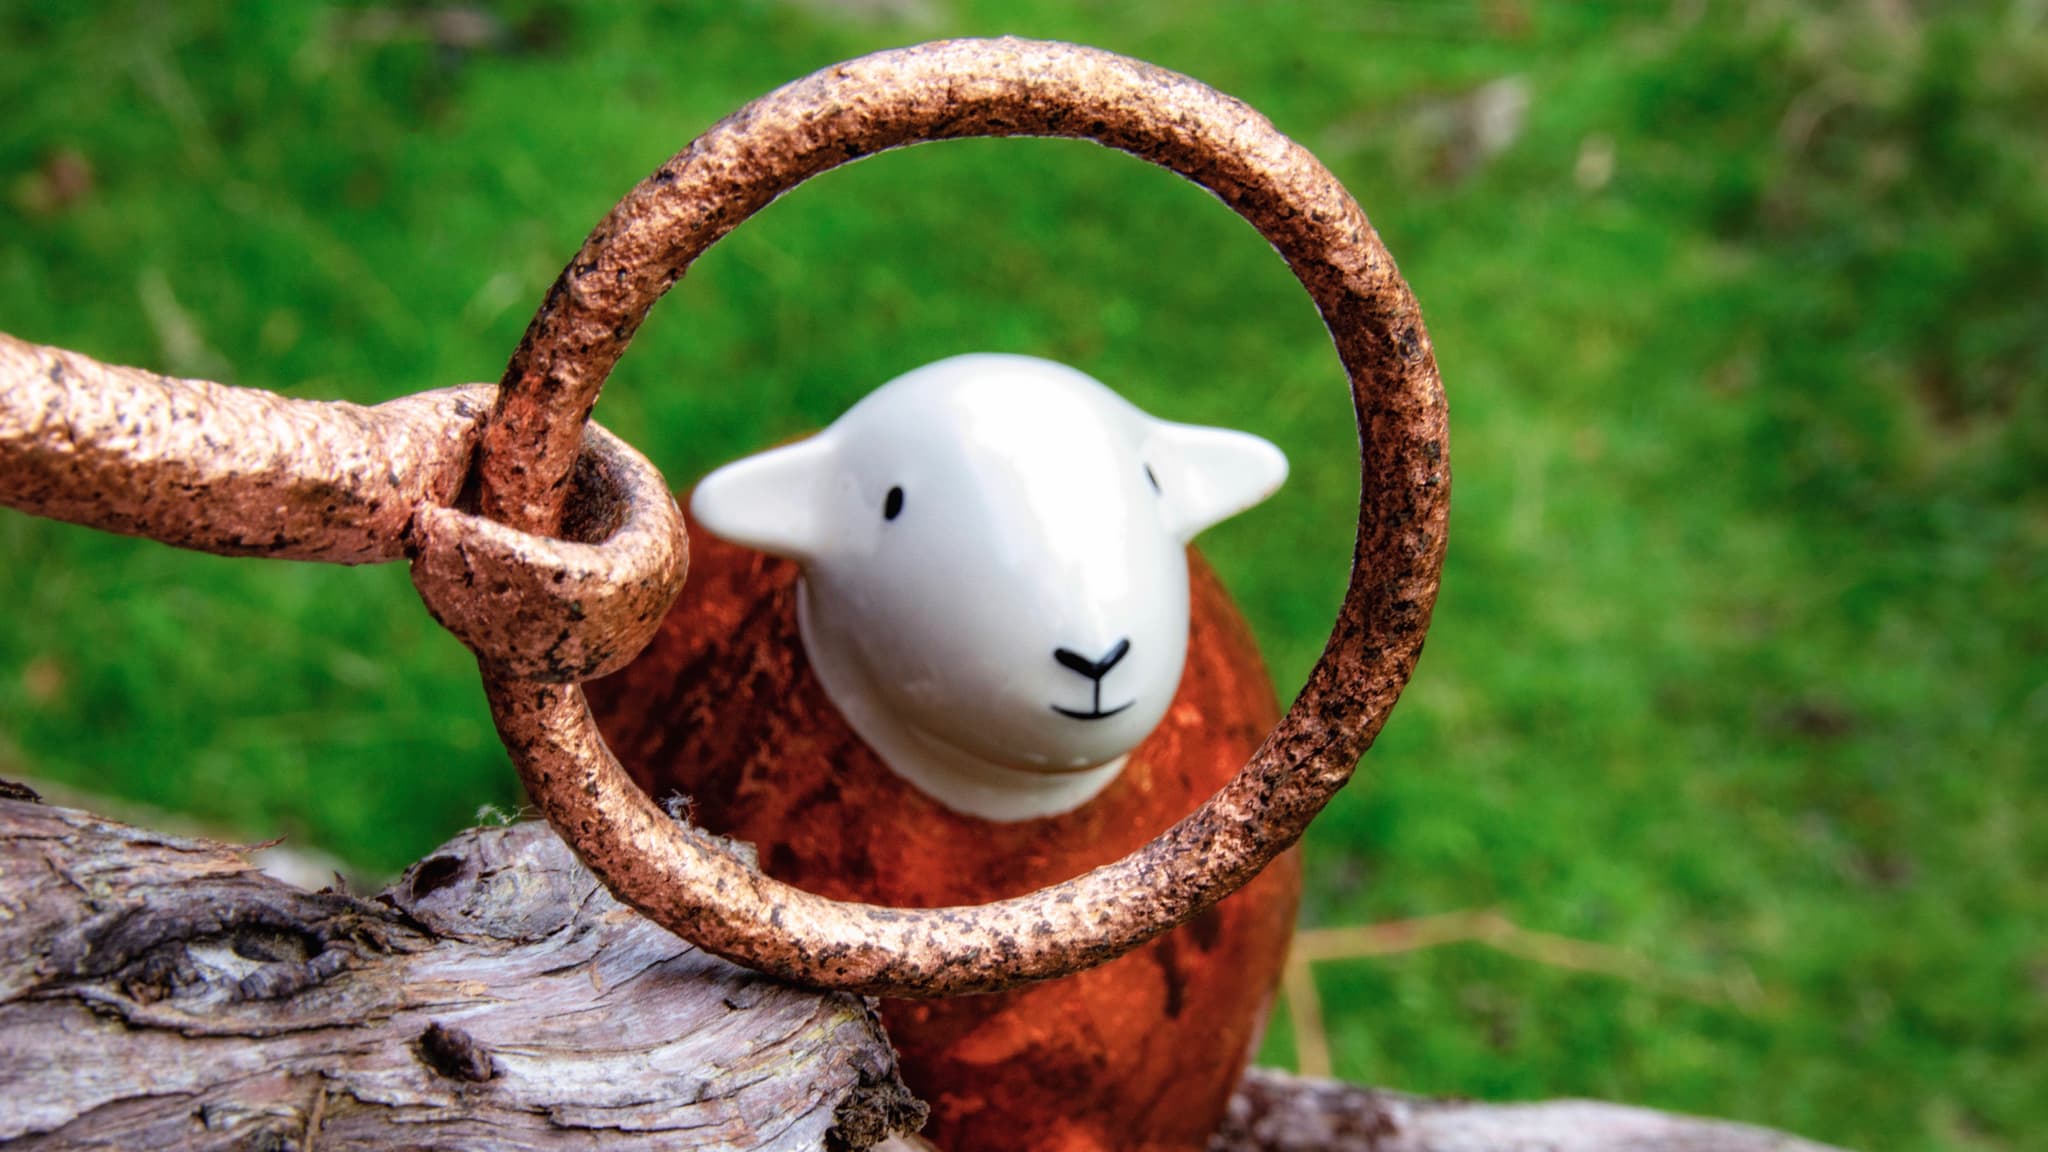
x=1092, y=669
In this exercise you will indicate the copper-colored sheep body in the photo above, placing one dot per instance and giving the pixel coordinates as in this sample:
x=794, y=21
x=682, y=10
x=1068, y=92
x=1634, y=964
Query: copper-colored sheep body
x=1138, y=1055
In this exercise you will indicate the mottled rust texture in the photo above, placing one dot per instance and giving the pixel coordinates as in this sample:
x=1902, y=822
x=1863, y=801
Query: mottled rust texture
x=230, y=470
x=694, y=883
x=244, y=472
x=1138, y=1054
x=560, y=610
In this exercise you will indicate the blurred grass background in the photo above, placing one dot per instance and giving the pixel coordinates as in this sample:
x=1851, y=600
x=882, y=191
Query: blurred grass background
x=1741, y=663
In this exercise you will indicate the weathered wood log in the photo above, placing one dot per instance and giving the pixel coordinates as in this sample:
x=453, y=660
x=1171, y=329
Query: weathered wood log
x=158, y=992
x=1275, y=1112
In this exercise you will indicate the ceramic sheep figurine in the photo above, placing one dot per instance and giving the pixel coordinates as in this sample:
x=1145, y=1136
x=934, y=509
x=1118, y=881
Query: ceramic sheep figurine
x=956, y=647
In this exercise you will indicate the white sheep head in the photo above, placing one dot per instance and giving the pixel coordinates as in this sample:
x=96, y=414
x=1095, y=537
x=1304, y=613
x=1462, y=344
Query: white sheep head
x=995, y=580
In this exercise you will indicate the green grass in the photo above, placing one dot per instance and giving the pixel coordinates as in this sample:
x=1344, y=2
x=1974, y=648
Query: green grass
x=1741, y=662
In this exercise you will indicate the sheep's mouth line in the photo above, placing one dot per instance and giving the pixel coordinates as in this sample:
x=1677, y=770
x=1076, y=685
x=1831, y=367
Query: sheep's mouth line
x=1097, y=714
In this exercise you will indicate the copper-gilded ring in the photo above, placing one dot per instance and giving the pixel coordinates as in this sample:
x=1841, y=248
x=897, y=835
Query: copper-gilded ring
x=568, y=608
x=689, y=881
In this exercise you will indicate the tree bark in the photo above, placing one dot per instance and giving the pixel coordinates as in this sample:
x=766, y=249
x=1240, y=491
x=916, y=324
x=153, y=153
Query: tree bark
x=1275, y=1112
x=158, y=991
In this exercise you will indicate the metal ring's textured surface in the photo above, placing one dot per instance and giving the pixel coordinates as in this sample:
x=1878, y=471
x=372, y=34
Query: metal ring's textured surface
x=243, y=472
x=234, y=471
x=560, y=610
x=684, y=878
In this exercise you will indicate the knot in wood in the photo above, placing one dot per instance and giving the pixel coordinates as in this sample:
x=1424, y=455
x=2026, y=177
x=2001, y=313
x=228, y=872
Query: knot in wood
x=455, y=1054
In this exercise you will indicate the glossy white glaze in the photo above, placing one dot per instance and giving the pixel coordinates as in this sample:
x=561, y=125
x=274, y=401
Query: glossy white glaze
x=995, y=587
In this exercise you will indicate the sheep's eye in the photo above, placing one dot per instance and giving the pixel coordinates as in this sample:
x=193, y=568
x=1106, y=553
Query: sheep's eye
x=1154, y=479
x=892, y=504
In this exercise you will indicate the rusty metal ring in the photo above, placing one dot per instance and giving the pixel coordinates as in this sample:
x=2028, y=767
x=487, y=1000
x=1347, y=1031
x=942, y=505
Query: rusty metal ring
x=232, y=471
x=559, y=610
x=695, y=884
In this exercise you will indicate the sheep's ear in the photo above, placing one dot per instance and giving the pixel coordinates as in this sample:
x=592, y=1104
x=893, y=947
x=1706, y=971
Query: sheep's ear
x=1207, y=475
x=774, y=502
